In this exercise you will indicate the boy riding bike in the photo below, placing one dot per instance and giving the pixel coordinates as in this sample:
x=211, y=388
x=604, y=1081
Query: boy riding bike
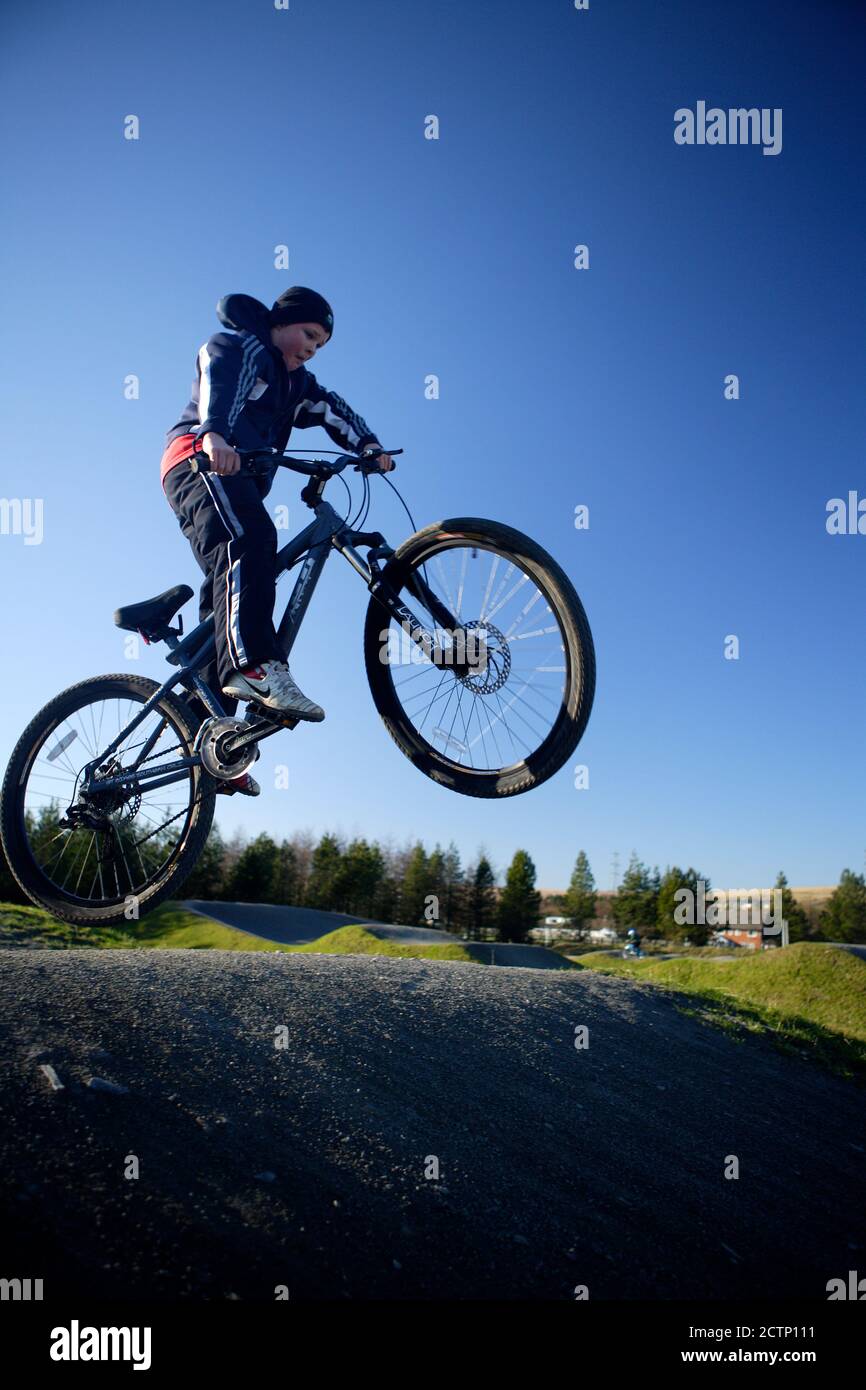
x=108, y=796
x=251, y=387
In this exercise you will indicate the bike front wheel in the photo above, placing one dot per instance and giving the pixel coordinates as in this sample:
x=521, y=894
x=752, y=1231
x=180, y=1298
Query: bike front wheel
x=127, y=848
x=508, y=724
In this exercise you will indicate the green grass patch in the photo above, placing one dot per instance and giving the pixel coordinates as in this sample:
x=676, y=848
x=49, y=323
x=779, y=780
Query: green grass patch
x=174, y=928
x=355, y=941
x=166, y=928
x=809, y=999
x=31, y=926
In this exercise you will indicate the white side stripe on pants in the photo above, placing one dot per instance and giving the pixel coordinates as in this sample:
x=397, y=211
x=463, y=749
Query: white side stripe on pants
x=225, y=510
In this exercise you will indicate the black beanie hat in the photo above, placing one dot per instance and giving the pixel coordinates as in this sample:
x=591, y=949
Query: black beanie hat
x=300, y=305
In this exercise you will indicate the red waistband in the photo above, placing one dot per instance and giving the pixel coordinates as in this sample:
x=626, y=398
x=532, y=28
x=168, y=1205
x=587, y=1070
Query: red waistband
x=179, y=449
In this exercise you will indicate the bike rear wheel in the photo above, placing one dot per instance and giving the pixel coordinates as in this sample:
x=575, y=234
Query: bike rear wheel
x=140, y=845
x=504, y=730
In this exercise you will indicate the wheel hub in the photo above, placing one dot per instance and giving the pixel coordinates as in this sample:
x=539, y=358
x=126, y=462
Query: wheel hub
x=489, y=663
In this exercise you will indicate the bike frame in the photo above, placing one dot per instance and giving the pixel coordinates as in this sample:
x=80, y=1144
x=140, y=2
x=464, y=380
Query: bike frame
x=327, y=532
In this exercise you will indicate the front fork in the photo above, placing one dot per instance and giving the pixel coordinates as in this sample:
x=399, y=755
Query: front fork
x=385, y=595
x=415, y=630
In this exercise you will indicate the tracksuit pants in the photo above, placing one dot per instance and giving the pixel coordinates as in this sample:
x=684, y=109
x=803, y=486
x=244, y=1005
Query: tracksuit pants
x=234, y=541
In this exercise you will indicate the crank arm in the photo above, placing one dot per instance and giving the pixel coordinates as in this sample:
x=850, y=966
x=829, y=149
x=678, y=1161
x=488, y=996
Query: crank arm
x=262, y=726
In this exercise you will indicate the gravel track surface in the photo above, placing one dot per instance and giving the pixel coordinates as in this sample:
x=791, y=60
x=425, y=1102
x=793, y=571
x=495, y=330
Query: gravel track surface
x=305, y=1165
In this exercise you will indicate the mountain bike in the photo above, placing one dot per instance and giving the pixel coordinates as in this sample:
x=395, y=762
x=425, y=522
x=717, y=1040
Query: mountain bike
x=478, y=655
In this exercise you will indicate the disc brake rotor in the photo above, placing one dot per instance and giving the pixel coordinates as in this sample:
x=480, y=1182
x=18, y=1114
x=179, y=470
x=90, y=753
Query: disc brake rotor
x=94, y=810
x=489, y=658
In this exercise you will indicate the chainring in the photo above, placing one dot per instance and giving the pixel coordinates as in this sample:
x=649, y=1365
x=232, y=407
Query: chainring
x=209, y=747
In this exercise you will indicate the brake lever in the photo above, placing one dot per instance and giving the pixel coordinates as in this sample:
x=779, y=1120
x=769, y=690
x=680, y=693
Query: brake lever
x=367, y=464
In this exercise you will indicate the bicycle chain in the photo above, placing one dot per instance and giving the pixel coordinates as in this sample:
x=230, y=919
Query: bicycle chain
x=135, y=797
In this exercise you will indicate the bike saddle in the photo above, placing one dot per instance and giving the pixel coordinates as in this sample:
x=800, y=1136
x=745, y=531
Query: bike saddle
x=153, y=613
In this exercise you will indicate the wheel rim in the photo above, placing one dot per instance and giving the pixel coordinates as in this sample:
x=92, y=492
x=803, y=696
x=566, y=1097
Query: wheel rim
x=142, y=832
x=497, y=715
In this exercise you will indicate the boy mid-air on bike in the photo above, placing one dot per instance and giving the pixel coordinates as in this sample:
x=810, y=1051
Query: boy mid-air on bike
x=251, y=387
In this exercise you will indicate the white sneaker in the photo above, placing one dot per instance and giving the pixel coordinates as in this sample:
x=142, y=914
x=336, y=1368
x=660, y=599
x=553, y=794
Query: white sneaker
x=245, y=784
x=270, y=684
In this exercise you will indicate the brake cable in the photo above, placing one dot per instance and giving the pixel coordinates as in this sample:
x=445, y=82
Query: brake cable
x=366, y=478
x=357, y=520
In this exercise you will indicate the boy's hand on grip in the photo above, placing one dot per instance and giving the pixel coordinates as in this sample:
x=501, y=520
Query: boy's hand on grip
x=223, y=457
x=384, y=463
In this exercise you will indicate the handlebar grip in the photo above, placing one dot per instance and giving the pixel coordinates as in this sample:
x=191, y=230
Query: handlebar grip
x=252, y=461
x=370, y=464
x=200, y=463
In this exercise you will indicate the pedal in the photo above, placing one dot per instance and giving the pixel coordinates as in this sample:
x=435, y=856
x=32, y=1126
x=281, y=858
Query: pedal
x=270, y=716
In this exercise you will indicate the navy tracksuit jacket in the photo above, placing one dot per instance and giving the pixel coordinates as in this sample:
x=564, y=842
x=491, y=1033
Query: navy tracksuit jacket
x=243, y=391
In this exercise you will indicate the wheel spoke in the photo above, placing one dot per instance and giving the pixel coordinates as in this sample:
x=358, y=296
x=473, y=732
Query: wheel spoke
x=124, y=831
x=493, y=568
x=451, y=604
x=462, y=582
x=84, y=862
x=512, y=694
x=430, y=706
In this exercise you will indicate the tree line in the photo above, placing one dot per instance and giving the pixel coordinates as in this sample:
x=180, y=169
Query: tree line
x=417, y=887
x=410, y=885
x=647, y=901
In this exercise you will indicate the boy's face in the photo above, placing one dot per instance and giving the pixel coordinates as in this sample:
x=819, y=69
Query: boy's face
x=298, y=342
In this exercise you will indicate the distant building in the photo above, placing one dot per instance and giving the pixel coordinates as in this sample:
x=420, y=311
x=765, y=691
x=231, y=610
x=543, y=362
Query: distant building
x=744, y=932
x=547, y=932
x=753, y=940
x=605, y=935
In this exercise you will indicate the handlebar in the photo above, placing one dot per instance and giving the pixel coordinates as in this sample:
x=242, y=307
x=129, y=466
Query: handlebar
x=264, y=459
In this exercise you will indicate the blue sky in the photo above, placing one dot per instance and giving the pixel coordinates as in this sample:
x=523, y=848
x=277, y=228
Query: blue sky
x=305, y=127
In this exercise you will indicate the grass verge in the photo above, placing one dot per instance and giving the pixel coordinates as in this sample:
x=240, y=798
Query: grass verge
x=809, y=999
x=166, y=928
x=355, y=941
x=174, y=928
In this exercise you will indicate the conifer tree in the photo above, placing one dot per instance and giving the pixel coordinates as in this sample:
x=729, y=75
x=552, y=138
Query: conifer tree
x=579, y=900
x=519, y=902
